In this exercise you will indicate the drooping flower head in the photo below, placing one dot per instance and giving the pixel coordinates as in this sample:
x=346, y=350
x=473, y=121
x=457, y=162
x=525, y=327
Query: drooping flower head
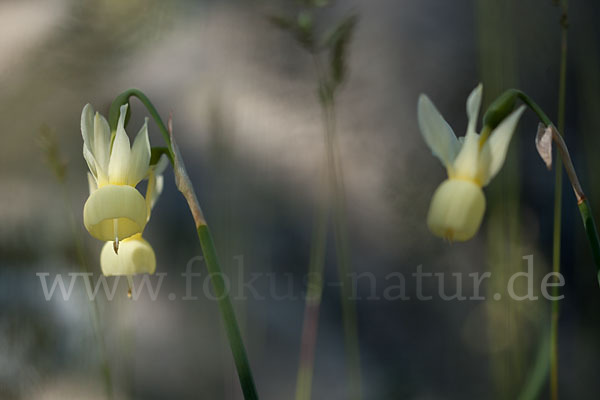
x=135, y=254
x=116, y=209
x=472, y=161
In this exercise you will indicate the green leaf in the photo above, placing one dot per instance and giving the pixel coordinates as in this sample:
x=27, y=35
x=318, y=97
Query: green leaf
x=338, y=41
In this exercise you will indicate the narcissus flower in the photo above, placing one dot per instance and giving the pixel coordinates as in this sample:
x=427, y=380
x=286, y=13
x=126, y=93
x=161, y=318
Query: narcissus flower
x=458, y=204
x=116, y=210
x=135, y=255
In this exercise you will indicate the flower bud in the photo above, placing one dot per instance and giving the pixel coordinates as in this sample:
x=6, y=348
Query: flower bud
x=456, y=210
x=136, y=256
x=115, y=211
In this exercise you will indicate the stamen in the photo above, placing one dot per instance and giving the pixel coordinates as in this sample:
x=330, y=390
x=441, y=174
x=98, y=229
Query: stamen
x=130, y=284
x=116, y=230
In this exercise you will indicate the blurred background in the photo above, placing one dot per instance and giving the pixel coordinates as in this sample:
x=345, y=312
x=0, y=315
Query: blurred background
x=247, y=119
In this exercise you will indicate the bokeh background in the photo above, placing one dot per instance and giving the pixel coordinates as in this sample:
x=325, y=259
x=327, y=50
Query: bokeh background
x=243, y=96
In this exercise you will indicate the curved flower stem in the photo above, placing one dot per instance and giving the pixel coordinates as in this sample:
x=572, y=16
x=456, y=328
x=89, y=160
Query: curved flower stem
x=113, y=115
x=582, y=203
x=206, y=242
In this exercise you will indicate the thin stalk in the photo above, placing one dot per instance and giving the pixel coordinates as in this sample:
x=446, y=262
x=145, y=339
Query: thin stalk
x=233, y=332
x=184, y=185
x=93, y=306
x=340, y=232
x=536, y=380
x=586, y=216
x=558, y=209
x=583, y=205
x=335, y=203
x=113, y=115
x=314, y=292
x=590, y=230
x=341, y=246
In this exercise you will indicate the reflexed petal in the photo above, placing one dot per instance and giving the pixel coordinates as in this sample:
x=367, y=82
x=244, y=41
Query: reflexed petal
x=101, y=142
x=136, y=256
x=118, y=166
x=437, y=133
x=122, y=203
x=473, y=105
x=456, y=210
x=92, y=184
x=162, y=163
x=90, y=160
x=497, y=145
x=140, y=156
x=87, y=126
x=155, y=187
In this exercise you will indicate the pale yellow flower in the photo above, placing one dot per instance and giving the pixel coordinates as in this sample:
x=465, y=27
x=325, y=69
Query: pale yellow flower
x=135, y=255
x=115, y=209
x=458, y=204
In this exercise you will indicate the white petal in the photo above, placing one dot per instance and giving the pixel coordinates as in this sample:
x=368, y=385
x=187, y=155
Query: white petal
x=92, y=184
x=101, y=142
x=118, y=166
x=87, y=126
x=497, y=145
x=90, y=160
x=473, y=105
x=466, y=165
x=155, y=187
x=158, y=188
x=162, y=163
x=140, y=156
x=438, y=135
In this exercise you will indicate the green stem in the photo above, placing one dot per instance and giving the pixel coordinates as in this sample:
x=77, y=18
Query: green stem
x=557, y=211
x=113, y=114
x=314, y=292
x=208, y=249
x=233, y=332
x=336, y=203
x=340, y=233
x=591, y=231
x=341, y=246
x=537, y=378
